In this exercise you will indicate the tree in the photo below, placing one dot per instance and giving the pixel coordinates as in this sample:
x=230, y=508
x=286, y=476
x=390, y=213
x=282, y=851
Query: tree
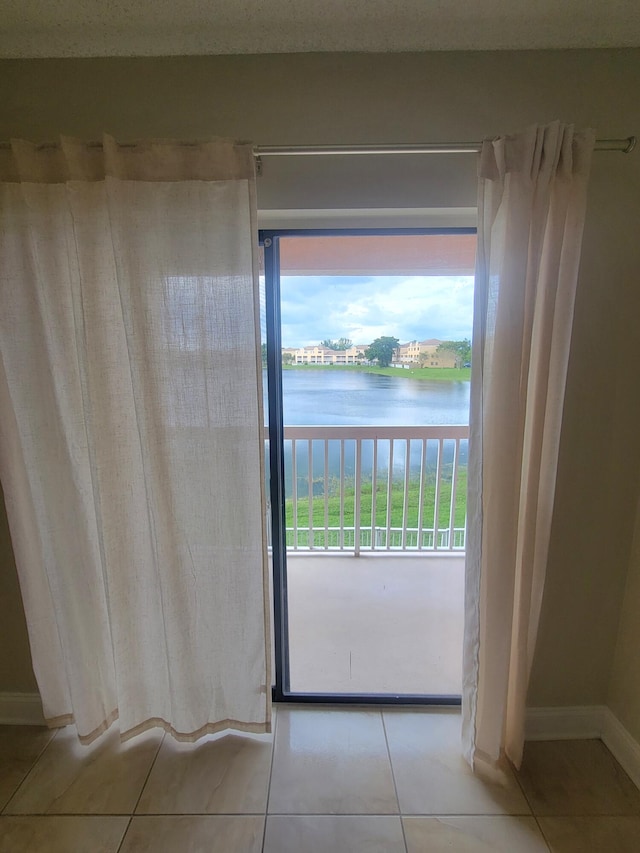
x=382, y=350
x=263, y=350
x=461, y=350
x=288, y=358
x=340, y=344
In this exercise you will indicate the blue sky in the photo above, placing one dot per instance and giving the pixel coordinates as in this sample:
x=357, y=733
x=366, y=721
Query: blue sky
x=363, y=308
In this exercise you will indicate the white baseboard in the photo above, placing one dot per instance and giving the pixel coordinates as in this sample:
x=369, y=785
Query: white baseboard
x=624, y=748
x=584, y=722
x=21, y=709
x=578, y=722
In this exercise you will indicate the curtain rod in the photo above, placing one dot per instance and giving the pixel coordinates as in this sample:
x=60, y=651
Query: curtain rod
x=626, y=146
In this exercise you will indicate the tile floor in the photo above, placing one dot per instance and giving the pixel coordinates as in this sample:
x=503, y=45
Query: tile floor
x=332, y=780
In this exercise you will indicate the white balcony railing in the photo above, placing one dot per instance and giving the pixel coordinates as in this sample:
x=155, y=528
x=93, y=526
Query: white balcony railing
x=375, y=488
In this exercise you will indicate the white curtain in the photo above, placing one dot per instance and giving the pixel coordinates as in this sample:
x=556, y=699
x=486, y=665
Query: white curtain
x=131, y=432
x=532, y=200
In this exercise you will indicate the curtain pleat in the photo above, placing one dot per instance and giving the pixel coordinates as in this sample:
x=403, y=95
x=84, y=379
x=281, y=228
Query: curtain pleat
x=131, y=444
x=531, y=210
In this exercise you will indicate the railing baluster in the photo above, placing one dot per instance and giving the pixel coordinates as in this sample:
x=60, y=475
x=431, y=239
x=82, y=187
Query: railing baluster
x=342, y=494
x=374, y=489
x=391, y=538
x=423, y=463
x=436, y=506
x=310, y=479
x=357, y=497
x=326, y=494
x=389, y=493
x=454, y=484
x=405, y=503
x=294, y=490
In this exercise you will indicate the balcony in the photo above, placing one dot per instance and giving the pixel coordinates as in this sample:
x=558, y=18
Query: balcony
x=383, y=623
x=395, y=497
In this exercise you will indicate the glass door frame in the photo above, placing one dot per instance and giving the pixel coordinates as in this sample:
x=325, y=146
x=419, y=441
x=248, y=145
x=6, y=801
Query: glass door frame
x=269, y=241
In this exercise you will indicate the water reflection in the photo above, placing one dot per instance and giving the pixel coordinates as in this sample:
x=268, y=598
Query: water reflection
x=324, y=397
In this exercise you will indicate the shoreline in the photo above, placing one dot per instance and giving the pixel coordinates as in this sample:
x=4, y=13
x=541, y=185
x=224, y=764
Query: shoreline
x=438, y=374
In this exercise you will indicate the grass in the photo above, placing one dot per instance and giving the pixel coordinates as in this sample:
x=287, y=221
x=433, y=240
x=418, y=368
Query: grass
x=397, y=504
x=439, y=374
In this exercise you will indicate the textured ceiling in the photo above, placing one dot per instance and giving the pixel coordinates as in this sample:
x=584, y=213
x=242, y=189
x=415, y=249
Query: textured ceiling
x=32, y=28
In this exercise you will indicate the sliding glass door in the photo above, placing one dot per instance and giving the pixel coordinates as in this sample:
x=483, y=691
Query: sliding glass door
x=368, y=372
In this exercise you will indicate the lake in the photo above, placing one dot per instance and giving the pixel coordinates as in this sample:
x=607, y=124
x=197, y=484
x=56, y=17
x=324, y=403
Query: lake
x=341, y=397
x=324, y=397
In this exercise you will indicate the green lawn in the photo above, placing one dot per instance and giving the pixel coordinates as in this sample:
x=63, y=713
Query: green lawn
x=397, y=505
x=438, y=373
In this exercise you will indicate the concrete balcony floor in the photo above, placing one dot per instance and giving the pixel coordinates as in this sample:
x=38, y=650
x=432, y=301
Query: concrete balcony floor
x=378, y=623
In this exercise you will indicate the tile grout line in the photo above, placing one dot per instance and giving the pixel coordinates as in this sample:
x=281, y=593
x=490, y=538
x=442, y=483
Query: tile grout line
x=422, y=815
x=124, y=834
x=541, y=831
x=30, y=770
x=516, y=776
x=144, y=785
x=152, y=765
x=74, y=814
x=275, y=718
x=438, y=815
x=393, y=776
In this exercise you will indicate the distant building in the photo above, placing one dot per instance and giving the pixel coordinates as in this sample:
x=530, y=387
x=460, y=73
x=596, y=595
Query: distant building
x=424, y=353
x=325, y=355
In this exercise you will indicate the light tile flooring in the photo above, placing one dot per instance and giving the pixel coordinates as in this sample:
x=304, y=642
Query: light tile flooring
x=332, y=781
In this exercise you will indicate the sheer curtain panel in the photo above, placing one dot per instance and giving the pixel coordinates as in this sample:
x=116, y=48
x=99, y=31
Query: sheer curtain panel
x=131, y=446
x=531, y=209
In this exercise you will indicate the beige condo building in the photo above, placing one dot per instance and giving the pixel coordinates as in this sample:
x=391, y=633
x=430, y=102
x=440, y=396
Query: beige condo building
x=425, y=353
x=325, y=355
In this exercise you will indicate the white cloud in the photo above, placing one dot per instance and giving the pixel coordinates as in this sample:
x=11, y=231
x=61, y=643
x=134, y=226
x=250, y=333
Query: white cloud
x=356, y=310
x=416, y=307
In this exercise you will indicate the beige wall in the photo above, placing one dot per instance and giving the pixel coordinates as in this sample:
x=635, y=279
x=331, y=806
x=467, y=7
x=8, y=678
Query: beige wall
x=16, y=674
x=624, y=690
x=346, y=98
